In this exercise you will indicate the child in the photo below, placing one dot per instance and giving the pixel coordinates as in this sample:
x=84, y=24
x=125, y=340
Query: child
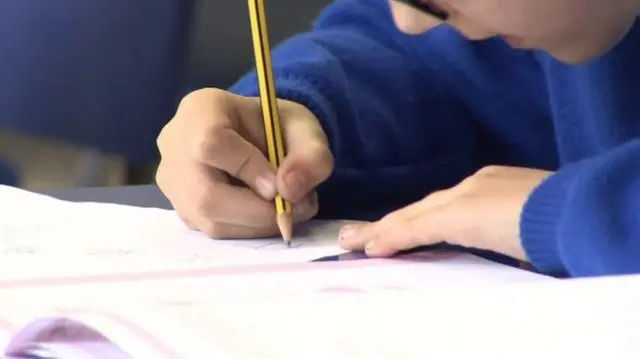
x=511, y=127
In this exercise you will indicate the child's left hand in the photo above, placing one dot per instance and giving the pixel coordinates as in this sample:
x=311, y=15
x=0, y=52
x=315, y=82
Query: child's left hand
x=481, y=212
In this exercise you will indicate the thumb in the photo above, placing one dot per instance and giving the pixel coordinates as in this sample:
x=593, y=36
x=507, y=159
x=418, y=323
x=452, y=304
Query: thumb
x=308, y=160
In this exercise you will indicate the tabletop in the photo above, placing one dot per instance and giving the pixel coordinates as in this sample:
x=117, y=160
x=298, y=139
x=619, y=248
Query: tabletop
x=140, y=196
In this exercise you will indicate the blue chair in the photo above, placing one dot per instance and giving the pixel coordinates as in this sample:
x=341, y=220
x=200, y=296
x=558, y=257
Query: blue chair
x=103, y=74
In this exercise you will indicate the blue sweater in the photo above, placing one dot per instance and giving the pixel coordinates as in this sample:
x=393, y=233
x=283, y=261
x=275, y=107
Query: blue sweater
x=407, y=115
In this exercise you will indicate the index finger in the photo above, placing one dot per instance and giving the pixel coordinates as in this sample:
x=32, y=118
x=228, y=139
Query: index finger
x=431, y=226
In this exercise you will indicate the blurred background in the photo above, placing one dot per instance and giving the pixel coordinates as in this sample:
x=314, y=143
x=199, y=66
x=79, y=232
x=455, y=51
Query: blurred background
x=85, y=86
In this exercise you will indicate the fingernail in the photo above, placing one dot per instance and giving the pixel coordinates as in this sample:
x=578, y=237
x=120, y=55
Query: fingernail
x=346, y=233
x=266, y=186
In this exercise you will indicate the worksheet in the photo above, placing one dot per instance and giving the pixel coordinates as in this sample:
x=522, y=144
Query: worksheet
x=45, y=237
x=86, y=249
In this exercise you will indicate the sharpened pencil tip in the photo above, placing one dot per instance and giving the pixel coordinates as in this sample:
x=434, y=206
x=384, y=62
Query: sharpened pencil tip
x=285, y=224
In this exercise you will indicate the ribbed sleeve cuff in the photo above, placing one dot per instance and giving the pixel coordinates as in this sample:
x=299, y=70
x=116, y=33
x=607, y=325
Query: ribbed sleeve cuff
x=539, y=223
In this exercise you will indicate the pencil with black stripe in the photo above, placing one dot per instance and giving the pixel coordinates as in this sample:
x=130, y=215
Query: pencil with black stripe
x=270, y=115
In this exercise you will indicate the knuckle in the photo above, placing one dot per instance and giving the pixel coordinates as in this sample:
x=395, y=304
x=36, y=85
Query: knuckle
x=435, y=196
x=215, y=94
x=489, y=170
x=163, y=139
x=321, y=160
x=207, y=144
x=162, y=175
x=470, y=184
x=326, y=158
x=473, y=183
x=390, y=219
x=204, y=94
x=200, y=146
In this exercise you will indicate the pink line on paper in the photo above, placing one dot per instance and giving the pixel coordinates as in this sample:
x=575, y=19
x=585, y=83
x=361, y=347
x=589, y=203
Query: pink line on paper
x=213, y=271
x=177, y=274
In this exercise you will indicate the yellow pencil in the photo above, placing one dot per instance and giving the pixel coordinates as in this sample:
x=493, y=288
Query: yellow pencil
x=275, y=145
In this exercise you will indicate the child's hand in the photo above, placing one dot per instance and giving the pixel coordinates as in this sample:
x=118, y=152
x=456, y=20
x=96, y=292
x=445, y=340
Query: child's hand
x=215, y=172
x=481, y=212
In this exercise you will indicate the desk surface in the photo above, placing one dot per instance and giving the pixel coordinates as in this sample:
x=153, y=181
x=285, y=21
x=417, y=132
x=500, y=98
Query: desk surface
x=140, y=196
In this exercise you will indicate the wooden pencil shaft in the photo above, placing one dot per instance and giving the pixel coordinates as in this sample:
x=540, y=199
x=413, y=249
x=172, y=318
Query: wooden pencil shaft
x=270, y=114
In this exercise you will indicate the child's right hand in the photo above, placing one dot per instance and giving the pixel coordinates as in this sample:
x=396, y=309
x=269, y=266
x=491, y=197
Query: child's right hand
x=215, y=172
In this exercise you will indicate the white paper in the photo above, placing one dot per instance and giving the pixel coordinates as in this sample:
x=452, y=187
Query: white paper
x=541, y=320
x=44, y=237
x=556, y=319
x=429, y=271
